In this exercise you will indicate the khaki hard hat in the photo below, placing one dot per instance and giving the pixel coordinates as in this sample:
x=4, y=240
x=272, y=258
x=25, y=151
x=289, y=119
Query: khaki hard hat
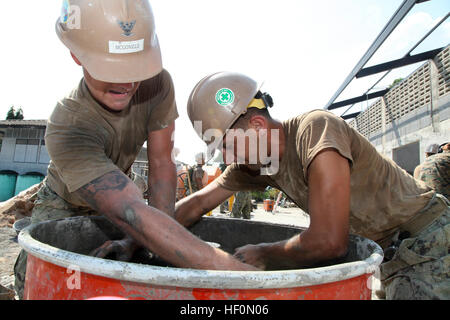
x=114, y=40
x=432, y=148
x=199, y=157
x=218, y=100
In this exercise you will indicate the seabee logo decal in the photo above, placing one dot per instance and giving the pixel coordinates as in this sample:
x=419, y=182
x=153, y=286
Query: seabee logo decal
x=127, y=27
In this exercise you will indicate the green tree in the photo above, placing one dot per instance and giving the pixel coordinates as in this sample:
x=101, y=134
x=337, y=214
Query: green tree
x=273, y=193
x=11, y=114
x=395, y=82
x=14, y=115
x=19, y=114
x=270, y=193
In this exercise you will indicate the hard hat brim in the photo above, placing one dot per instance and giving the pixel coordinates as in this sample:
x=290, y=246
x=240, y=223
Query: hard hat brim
x=123, y=69
x=118, y=67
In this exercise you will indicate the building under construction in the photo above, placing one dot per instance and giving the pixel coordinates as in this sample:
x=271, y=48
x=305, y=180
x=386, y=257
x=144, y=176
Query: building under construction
x=411, y=114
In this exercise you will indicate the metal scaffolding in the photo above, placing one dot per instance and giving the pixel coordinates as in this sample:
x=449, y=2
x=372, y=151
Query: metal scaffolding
x=359, y=71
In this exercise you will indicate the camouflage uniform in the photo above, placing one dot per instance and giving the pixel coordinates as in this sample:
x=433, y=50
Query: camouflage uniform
x=242, y=206
x=50, y=206
x=224, y=207
x=435, y=172
x=420, y=267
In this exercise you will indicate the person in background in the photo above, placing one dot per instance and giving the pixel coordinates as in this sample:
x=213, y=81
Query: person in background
x=435, y=170
x=429, y=151
x=242, y=205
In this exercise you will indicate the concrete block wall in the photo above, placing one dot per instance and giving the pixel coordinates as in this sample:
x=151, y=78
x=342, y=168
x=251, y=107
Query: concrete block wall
x=415, y=110
x=442, y=61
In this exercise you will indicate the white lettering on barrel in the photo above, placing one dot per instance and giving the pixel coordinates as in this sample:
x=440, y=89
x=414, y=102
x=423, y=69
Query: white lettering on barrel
x=74, y=281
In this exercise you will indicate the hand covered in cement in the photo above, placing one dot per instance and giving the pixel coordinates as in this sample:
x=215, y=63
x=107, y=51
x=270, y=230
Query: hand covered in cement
x=252, y=254
x=123, y=249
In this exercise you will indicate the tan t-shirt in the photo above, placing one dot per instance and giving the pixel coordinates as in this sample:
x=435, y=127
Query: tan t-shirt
x=383, y=195
x=85, y=141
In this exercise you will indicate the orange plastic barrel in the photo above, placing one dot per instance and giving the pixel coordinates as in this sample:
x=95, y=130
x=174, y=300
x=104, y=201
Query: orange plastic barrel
x=63, y=271
x=268, y=205
x=181, y=189
x=211, y=173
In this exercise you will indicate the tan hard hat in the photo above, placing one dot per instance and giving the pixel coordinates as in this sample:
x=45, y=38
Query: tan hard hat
x=432, y=148
x=199, y=157
x=219, y=99
x=114, y=40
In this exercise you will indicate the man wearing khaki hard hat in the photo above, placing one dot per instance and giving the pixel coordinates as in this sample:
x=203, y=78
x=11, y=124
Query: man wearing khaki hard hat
x=330, y=171
x=96, y=132
x=435, y=170
x=431, y=149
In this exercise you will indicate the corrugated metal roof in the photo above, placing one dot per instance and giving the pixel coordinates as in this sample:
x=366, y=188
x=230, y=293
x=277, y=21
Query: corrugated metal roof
x=14, y=123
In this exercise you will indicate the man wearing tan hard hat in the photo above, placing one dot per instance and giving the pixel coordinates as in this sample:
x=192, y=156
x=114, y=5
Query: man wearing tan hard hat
x=96, y=132
x=435, y=170
x=331, y=172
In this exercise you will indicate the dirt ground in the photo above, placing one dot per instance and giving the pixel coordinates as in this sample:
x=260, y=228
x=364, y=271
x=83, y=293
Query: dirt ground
x=9, y=250
x=289, y=216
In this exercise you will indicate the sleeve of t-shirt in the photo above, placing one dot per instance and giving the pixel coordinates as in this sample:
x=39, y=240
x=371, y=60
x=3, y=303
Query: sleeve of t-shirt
x=165, y=110
x=235, y=179
x=77, y=153
x=320, y=130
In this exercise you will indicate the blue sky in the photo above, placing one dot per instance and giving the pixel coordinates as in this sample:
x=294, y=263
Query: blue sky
x=302, y=50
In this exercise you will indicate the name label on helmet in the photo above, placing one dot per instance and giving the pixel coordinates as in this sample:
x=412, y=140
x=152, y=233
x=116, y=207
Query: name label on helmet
x=122, y=47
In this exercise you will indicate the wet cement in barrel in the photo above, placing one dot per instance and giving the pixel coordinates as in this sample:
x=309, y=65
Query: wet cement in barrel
x=83, y=234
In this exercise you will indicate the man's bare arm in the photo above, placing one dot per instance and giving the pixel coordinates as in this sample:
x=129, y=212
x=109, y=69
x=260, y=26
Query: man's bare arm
x=118, y=198
x=190, y=209
x=162, y=177
x=329, y=207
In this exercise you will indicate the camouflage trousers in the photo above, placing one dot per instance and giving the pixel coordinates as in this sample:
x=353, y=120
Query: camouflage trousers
x=242, y=206
x=224, y=207
x=50, y=206
x=420, y=268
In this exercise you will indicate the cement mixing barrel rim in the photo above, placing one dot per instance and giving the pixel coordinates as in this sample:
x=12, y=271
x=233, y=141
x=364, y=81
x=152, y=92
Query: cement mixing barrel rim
x=192, y=278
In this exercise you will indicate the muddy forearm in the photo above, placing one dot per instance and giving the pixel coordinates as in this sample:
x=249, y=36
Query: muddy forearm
x=162, y=188
x=188, y=210
x=118, y=198
x=299, y=251
x=172, y=242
